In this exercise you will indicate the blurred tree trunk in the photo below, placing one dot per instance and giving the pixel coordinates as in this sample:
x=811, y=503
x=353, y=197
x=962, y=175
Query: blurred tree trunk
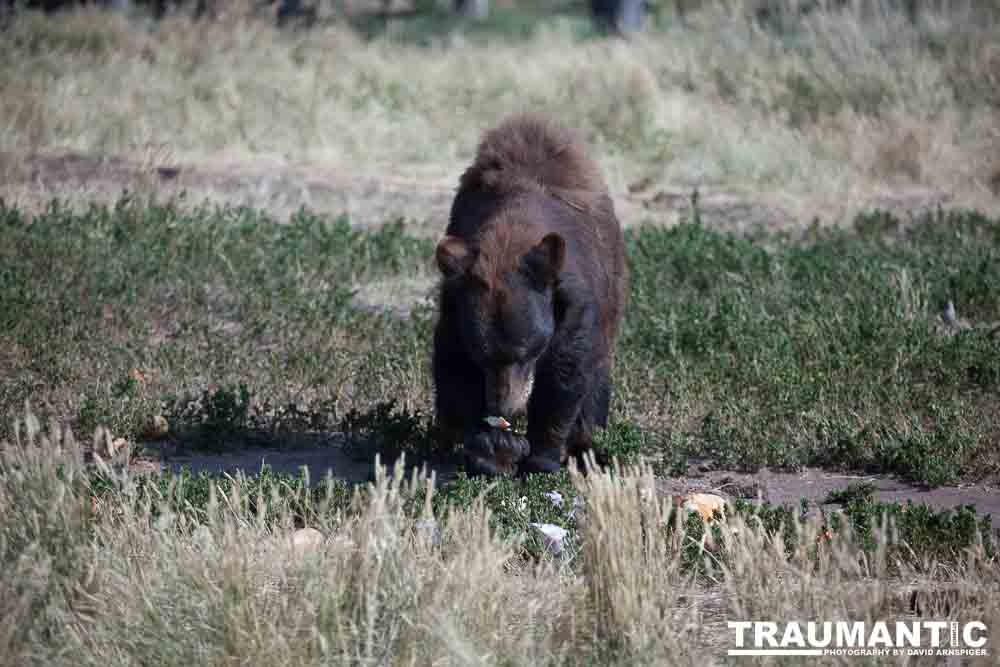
x=476, y=10
x=631, y=15
x=619, y=16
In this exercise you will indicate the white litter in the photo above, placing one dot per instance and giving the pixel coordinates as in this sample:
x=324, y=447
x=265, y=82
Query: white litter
x=553, y=536
x=307, y=540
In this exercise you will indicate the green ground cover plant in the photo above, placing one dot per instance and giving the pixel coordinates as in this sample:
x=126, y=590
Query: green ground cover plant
x=826, y=348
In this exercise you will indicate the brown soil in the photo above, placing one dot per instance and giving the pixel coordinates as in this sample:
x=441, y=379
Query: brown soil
x=319, y=454
x=277, y=187
x=325, y=454
x=425, y=198
x=814, y=485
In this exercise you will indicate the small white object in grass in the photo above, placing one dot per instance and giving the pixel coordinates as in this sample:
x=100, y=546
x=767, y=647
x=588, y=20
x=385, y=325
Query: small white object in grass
x=306, y=540
x=497, y=422
x=553, y=536
x=429, y=527
x=520, y=506
x=555, y=497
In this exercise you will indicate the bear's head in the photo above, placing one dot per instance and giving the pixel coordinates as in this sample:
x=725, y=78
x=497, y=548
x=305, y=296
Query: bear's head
x=501, y=291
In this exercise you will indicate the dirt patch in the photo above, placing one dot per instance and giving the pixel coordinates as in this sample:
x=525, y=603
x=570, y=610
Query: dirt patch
x=325, y=454
x=275, y=186
x=815, y=485
x=319, y=454
x=281, y=188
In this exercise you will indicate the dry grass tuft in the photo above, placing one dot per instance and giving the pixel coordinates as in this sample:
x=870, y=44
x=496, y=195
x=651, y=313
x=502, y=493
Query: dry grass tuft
x=634, y=575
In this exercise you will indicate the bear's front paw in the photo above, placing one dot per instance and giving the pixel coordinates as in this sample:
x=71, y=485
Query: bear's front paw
x=494, y=452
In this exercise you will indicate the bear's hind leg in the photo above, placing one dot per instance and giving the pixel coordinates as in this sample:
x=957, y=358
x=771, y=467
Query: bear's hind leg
x=593, y=415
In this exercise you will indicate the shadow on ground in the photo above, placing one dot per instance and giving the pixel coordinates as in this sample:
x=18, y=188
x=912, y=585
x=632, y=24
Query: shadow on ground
x=326, y=454
x=319, y=454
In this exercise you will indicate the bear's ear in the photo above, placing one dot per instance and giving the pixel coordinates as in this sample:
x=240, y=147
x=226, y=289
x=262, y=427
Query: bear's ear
x=452, y=255
x=546, y=259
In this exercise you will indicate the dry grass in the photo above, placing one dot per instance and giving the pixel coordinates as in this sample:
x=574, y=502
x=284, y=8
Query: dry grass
x=126, y=582
x=841, y=109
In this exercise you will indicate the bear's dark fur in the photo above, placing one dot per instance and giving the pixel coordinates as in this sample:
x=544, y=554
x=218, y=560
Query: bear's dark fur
x=532, y=295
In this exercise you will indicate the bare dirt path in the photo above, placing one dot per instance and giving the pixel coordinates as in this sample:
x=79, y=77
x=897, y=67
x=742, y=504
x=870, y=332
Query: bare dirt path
x=325, y=455
x=377, y=196
x=815, y=485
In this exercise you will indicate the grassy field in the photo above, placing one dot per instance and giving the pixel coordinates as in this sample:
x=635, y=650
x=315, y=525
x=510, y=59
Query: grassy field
x=824, y=349
x=789, y=343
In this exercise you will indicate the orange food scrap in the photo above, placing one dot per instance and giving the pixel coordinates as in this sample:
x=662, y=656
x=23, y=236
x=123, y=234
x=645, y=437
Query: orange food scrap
x=705, y=504
x=498, y=422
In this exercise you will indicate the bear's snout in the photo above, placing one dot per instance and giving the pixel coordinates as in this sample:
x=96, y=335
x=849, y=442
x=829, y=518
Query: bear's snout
x=508, y=389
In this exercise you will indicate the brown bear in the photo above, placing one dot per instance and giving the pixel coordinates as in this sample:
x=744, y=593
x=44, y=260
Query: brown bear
x=532, y=294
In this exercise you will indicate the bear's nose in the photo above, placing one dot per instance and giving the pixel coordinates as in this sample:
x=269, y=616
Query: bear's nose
x=508, y=389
